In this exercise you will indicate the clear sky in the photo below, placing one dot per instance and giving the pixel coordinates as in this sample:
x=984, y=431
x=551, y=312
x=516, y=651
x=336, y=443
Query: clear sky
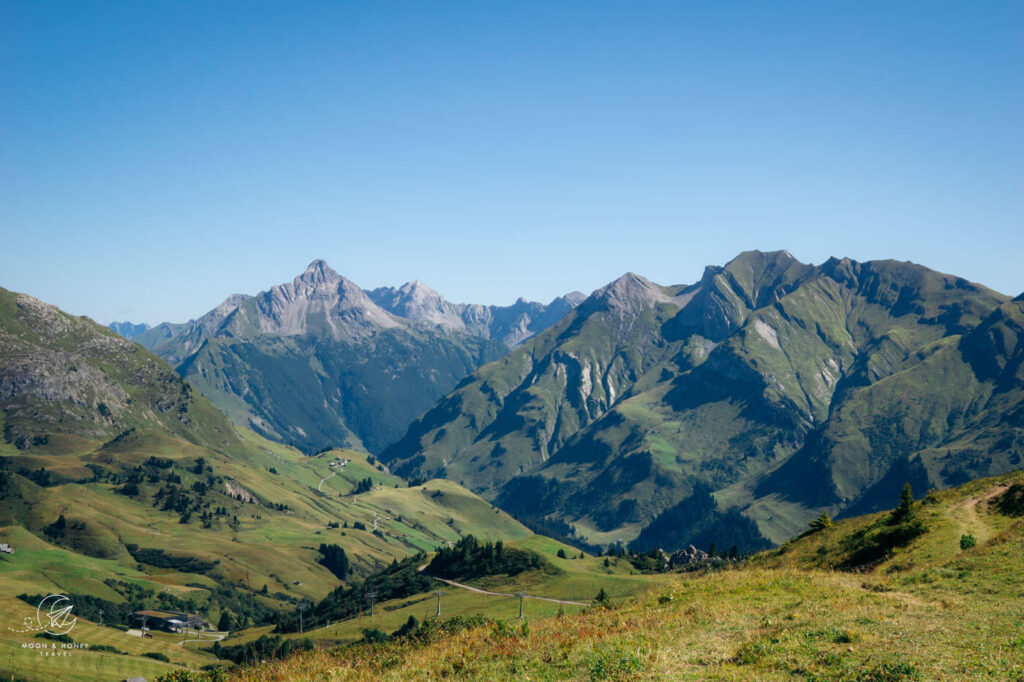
x=158, y=156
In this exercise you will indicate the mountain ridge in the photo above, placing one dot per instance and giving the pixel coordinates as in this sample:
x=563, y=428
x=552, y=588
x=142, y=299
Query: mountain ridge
x=742, y=371
x=317, y=361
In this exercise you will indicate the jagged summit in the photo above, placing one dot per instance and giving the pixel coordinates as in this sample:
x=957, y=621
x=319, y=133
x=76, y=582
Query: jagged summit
x=629, y=293
x=319, y=274
x=416, y=301
x=511, y=324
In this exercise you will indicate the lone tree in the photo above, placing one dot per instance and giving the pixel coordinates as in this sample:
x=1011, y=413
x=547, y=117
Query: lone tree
x=822, y=522
x=905, y=509
x=226, y=622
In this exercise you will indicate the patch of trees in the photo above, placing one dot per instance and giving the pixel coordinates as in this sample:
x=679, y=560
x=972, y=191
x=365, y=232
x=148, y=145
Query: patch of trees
x=397, y=581
x=334, y=560
x=41, y=477
x=363, y=486
x=470, y=558
x=1011, y=502
x=59, y=530
x=696, y=520
x=136, y=598
x=161, y=559
x=248, y=609
x=265, y=648
x=879, y=540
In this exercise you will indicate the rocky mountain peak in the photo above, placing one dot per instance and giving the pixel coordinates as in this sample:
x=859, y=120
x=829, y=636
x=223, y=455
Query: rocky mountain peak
x=418, y=291
x=319, y=274
x=572, y=299
x=630, y=293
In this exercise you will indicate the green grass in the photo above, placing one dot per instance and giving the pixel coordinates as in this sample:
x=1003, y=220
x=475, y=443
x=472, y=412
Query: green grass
x=272, y=548
x=931, y=611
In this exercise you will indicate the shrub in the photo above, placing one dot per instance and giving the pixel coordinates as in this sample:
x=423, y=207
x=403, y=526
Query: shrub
x=374, y=635
x=1011, y=503
x=821, y=523
x=107, y=648
x=967, y=541
x=157, y=656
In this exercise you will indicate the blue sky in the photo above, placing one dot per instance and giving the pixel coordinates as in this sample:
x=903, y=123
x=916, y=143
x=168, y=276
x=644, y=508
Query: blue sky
x=158, y=156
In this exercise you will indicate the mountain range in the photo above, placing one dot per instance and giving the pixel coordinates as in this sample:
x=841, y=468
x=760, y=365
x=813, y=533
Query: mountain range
x=319, y=362
x=763, y=394
x=728, y=412
x=113, y=468
x=786, y=389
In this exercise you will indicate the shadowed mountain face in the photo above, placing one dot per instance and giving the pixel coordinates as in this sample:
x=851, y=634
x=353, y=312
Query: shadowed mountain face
x=785, y=388
x=317, y=361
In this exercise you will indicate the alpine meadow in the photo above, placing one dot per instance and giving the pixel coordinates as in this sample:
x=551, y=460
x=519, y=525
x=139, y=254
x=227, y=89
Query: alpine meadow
x=318, y=362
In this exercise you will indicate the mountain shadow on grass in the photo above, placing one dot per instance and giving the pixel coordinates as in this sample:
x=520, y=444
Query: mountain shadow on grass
x=696, y=520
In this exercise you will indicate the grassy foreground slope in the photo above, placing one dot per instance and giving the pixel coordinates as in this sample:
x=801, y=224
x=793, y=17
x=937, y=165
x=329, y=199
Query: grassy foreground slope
x=573, y=580
x=935, y=608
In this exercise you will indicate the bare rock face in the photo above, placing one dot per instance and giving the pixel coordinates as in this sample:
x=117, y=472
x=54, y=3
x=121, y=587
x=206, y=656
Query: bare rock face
x=66, y=374
x=630, y=294
x=510, y=325
x=683, y=557
x=319, y=301
x=416, y=301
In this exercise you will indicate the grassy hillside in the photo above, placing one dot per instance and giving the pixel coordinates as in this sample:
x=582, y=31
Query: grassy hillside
x=564, y=586
x=934, y=608
x=268, y=556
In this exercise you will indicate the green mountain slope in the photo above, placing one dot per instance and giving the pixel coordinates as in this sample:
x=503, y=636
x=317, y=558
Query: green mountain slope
x=316, y=363
x=117, y=481
x=511, y=415
x=788, y=389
